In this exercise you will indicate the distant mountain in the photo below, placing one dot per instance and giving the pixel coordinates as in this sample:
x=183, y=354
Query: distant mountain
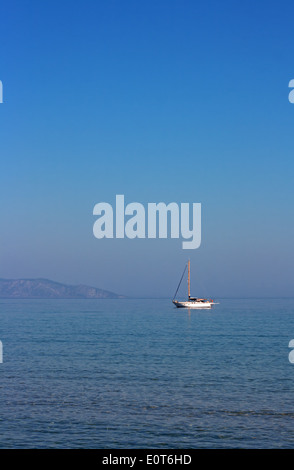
x=46, y=289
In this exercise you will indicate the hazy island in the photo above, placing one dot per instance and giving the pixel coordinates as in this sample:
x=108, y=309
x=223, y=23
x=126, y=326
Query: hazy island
x=46, y=289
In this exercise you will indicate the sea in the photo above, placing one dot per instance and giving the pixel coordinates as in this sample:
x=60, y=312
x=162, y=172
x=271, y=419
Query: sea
x=142, y=374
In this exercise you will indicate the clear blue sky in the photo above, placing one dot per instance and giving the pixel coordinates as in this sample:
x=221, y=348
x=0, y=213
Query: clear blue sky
x=164, y=100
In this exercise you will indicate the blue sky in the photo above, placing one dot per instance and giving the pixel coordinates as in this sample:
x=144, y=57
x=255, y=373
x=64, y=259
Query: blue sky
x=159, y=101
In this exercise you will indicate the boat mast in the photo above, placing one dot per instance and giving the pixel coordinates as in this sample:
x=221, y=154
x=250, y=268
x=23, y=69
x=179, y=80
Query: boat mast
x=189, y=279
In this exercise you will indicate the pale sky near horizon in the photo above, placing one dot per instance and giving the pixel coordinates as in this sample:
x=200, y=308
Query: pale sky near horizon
x=162, y=101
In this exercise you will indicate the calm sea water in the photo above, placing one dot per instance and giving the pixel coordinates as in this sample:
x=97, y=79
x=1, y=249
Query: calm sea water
x=143, y=374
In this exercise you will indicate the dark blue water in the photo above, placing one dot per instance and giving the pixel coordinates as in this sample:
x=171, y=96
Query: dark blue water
x=143, y=374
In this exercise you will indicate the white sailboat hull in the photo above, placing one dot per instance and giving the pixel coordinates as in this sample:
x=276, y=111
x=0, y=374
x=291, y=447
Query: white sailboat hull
x=192, y=304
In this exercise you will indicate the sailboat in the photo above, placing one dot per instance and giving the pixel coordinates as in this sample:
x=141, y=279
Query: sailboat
x=192, y=302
